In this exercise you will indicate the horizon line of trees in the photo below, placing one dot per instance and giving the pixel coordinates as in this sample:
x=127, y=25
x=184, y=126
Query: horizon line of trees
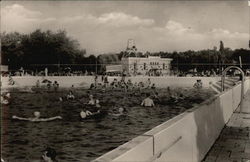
x=43, y=48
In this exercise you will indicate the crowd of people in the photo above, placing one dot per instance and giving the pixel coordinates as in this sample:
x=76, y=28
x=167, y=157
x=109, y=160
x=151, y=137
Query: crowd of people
x=92, y=107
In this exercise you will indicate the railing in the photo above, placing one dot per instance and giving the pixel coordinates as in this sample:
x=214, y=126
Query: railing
x=242, y=82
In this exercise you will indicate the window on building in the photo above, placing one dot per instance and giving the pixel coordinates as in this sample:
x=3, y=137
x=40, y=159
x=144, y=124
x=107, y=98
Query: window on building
x=163, y=66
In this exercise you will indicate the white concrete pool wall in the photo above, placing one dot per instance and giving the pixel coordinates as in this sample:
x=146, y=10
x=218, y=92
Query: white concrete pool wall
x=85, y=81
x=185, y=138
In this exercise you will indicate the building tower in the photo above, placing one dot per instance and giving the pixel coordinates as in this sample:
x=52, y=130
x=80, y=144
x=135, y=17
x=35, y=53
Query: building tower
x=131, y=48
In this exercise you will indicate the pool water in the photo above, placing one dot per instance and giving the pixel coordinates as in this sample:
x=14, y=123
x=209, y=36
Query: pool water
x=76, y=140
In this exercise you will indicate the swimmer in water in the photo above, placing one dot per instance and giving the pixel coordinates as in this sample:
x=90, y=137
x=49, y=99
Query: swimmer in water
x=7, y=95
x=148, y=102
x=5, y=99
x=85, y=114
x=198, y=84
x=49, y=155
x=60, y=99
x=92, y=86
x=91, y=100
x=153, y=86
x=120, y=112
x=70, y=96
x=97, y=103
x=38, y=83
x=36, y=118
x=56, y=85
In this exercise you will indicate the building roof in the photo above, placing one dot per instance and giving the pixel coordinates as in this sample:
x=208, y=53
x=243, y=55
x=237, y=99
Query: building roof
x=146, y=58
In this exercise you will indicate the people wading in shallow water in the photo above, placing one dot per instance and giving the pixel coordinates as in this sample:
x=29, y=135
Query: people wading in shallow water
x=70, y=96
x=198, y=84
x=93, y=110
x=36, y=118
x=94, y=102
x=56, y=85
x=85, y=114
x=148, y=102
x=118, y=112
x=5, y=99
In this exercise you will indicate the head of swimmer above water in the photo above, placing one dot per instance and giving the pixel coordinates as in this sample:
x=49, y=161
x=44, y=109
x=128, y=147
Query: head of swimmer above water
x=49, y=155
x=37, y=114
x=121, y=109
x=91, y=97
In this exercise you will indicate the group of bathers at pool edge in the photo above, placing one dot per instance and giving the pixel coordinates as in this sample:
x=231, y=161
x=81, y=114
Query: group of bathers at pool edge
x=94, y=103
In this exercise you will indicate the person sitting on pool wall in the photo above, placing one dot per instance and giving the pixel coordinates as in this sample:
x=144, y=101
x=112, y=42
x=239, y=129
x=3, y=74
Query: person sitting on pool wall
x=36, y=118
x=148, y=102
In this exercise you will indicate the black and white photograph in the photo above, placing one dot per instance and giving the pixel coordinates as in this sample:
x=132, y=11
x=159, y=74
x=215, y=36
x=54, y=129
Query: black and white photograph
x=125, y=80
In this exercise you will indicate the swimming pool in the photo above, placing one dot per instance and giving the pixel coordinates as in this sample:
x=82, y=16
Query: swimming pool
x=76, y=140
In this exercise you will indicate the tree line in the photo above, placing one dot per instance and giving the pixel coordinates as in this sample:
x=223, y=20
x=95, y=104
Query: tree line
x=56, y=50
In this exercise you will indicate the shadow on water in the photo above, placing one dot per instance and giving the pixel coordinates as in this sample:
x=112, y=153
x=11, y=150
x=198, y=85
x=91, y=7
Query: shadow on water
x=76, y=140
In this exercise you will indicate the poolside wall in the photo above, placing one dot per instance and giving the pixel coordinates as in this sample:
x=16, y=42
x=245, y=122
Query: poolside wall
x=185, y=138
x=85, y=81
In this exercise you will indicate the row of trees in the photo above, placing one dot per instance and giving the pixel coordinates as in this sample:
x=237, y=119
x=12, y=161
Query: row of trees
x=41, y=49
x=208, y=59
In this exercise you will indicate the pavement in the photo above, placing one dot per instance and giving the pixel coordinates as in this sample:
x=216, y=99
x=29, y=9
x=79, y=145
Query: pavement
x=233, y=144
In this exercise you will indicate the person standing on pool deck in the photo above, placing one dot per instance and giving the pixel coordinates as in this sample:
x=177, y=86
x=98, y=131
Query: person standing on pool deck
x=148, y=102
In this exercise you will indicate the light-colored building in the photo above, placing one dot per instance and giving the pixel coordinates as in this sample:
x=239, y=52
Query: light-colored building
x=114, y=68
x=151, y=65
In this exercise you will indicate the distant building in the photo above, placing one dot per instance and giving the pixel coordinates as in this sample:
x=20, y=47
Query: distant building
x=114, y=69
x=151, y=65
x=133, y=64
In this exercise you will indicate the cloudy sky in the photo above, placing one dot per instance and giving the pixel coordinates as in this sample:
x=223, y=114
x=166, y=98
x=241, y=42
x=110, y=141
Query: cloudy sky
x=102, y=27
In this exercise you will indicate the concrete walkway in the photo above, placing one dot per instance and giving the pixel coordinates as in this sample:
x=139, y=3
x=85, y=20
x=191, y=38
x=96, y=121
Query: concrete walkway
x=233, y=144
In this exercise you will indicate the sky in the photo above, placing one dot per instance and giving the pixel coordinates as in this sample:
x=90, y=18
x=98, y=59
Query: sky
x=105, y=26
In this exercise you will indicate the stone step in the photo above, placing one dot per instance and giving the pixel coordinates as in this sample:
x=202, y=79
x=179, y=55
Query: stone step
x=231, y=82
x=226, y=85
x=217, y=90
